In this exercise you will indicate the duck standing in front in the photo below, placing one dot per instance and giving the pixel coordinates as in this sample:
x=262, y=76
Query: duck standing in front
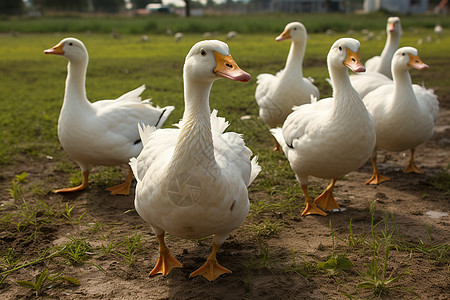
x=331, y=137
x=192, y=181
x=404, y=114
x=276, y=95
x=104, y=132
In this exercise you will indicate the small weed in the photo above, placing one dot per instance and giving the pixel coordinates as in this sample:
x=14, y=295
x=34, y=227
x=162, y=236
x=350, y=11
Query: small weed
x=132, y=245
x=267, y=227
x=306, y=269
x=16, y=189
x=261, y=261
x=439, y=253
x=33, y=214
x=44, y=282
x=376, y=277
x=9, y=259
x=335, y=263
x=442, y=181
x=355, y=240
x=76, y=251
x=68, y=214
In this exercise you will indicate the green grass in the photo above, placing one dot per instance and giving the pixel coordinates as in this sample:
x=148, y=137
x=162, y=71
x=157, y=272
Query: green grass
x=262, y=23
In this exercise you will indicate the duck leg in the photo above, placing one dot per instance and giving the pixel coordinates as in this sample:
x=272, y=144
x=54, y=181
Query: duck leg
x=276, y=145
x=376, y=178
x=411, y=167
x=326, y=200
x=166, y=262
x=311, y=208
x=211, y=269
x=123, y=188
x=84, y=184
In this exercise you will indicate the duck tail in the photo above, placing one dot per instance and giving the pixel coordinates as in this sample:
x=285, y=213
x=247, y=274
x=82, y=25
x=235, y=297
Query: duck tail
x=145, y=131
x=165, y=113
x=134, y=164
x=256, y=168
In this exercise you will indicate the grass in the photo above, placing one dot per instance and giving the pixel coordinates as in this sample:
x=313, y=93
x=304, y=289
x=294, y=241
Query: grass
x=262, y=23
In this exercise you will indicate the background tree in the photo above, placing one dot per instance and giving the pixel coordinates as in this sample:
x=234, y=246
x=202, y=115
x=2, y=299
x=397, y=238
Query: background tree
x=108, y=6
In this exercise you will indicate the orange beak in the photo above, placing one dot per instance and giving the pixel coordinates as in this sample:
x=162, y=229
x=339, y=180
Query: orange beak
x=58, y=49
x=353, y=61
x=285, y=35
x=416, y=63
x=391, y=26
x=227, y=68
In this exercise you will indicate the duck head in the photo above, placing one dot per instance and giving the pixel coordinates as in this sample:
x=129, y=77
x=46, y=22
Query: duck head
x=211, y=60
x=345, y=53
x=70, y=48
x=406, y=58
x=294, y=31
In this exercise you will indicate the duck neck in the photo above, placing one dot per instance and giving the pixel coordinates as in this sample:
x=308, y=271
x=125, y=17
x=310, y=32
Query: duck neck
x=294, y=60
x=389, y=49
x=195, y=144
x=75, y=92
x=402, y=85
x=346, y=98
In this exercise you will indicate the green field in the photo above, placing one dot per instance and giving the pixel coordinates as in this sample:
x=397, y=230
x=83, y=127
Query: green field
x=31, y=94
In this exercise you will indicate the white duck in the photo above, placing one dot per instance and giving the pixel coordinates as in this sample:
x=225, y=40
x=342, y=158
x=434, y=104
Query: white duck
x=404, y=114
x=104, y=132
x=333, y=136
x=277, y=94
x=192, y=181
x=382, y=63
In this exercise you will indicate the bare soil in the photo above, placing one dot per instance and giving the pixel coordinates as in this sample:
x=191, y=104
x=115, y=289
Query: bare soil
x=260, y=265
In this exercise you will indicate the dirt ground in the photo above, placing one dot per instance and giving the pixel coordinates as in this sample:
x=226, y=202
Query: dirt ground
x=260, y=266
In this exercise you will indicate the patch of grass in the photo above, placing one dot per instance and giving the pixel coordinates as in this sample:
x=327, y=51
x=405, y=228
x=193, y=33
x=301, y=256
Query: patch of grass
x=305, y=269
x=335, y=263
x=16, y=189
x=441, y=181
x=376, y=277
x=44, y=281
x=266, y=227
x=439, y=253
x=77, y=251
x=132, y=246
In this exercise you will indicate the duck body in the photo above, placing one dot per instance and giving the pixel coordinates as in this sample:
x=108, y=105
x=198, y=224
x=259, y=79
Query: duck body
x=336, y=152
x=277, y=94
x=404, y=114
x=197, y=192
x=333, y=136
x=368, y=81
x=104, y=132
x=192, y=181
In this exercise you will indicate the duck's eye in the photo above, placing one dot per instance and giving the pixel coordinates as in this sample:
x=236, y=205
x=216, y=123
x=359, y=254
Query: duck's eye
x=70, y=44
x=403, y=54
x=340, y=48
x=295, y=28
x=203, y=52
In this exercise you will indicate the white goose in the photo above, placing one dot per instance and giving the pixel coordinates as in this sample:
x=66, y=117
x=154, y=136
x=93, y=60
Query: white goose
x=104, y=132
x=333, y=136
x=379, y=67
x=277, y=94
x=404, y=114
x=192, y=181
x=382, y=63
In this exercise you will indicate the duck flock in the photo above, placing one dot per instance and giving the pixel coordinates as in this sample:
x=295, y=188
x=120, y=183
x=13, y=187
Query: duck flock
x=192, y=180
